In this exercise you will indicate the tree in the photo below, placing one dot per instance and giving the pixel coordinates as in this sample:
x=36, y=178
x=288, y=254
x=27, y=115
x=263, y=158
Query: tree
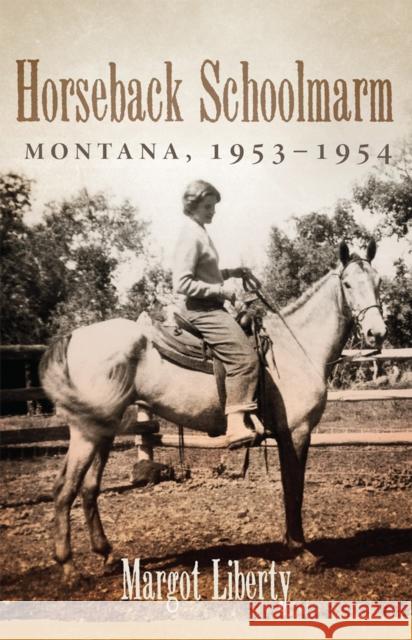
x=61, y=272
x=151, y=293
x=282, y=272
x=397, y=301
x=295, y=263
x=88, y=238
x=90, y=293
x=20, y=291
x=389, y=193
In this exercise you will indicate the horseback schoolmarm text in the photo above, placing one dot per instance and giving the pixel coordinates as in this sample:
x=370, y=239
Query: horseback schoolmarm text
x=225, y=94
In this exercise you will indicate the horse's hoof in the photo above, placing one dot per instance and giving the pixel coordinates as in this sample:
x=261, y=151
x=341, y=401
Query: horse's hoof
x=71, y=577
x=112, y=565
x=295, y=547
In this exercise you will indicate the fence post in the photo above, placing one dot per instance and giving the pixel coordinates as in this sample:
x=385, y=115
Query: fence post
x=144, y=442
x=144, y=448
x=31, y=405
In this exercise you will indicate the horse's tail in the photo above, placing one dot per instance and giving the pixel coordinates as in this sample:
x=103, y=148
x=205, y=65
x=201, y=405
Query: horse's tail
x=104, y=401
x=54, y=373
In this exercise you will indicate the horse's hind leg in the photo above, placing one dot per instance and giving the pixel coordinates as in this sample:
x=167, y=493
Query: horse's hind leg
x=90, y=493
x=79, y=457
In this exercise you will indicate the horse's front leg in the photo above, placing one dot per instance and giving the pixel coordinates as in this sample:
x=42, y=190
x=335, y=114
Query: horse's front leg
x=293, y=450
x=79, y=457
x=90, y=494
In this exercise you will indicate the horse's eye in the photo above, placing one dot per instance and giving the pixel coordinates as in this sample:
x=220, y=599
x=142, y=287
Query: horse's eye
x=347, y=285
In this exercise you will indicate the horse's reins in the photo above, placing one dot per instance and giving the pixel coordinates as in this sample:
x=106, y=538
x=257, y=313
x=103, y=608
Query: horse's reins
x=253, y=285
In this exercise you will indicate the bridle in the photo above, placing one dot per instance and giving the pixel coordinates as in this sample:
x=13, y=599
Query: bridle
x=251, y=284
x=357, y=316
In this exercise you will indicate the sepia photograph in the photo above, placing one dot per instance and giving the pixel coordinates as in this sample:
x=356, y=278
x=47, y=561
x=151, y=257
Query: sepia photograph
x=206, y=319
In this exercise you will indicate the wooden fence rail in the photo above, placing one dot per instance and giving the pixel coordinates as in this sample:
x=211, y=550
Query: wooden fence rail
x=21, y=351
x=346, y=395
x=29, y=435
x=317, y=440
x=30, y=429
x=359, y=395
x=27, y=394
x=147, y=436
x=366, y=355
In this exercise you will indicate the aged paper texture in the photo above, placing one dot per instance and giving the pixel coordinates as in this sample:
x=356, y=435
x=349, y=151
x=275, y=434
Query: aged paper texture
x=297, y=113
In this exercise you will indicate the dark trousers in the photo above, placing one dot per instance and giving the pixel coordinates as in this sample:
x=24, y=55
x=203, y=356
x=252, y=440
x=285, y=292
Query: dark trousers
x=226, y=338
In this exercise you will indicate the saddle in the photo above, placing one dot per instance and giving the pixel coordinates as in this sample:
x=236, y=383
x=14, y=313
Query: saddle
x=184, y=345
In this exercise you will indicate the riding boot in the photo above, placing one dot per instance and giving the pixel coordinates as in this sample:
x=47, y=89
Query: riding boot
x=238, y=434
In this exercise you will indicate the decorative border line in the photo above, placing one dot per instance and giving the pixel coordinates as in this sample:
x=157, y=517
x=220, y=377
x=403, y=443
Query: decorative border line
x=328, y=630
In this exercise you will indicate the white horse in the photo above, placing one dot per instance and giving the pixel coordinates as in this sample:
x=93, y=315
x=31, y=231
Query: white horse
x=97, y=371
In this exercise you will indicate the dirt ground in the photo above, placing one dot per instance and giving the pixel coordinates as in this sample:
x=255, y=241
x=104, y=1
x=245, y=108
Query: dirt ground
x=356, y=518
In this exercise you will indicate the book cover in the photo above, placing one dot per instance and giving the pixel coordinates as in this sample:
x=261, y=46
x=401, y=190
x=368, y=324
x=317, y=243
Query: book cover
x=298, y=116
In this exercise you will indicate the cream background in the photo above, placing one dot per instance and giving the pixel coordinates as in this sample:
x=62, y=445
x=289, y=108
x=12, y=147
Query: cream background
x=334, y=39
x=77, y=38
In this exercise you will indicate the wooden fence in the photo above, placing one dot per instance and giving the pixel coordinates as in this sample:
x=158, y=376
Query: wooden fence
x=34, y=428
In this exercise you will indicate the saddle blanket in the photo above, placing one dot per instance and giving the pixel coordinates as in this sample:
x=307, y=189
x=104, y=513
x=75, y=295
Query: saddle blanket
x=183, y=348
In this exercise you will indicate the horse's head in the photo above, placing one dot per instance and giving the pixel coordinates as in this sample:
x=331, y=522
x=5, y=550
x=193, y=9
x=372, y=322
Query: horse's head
x=360, y=286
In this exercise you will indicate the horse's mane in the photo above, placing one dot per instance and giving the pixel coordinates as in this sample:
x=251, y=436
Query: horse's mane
x=306, y=295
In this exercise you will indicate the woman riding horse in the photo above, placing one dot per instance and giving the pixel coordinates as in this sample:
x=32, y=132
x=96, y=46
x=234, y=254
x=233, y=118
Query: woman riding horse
x=196, y=275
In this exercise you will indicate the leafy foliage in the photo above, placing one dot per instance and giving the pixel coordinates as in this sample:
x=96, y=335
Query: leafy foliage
x=397, y=300
x=390, y=193
x=152, y=292
x=295, y=263
x=20, y=295
x=90, y=237
x=60, y=273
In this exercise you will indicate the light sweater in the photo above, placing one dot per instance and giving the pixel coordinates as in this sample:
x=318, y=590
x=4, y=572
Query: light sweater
x=196, y=272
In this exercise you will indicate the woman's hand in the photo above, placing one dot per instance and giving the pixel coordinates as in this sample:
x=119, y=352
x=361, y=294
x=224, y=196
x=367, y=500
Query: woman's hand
x=240, y=272
x=228, y=293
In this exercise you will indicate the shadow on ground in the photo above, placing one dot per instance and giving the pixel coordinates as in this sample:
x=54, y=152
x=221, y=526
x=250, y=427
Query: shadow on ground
x=331, y=552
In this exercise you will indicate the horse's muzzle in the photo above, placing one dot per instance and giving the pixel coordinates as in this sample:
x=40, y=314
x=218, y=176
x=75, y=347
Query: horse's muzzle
x=373, y=328
x=375, y=339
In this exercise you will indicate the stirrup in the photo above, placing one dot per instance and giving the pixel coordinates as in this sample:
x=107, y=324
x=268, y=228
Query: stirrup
x=256, y=423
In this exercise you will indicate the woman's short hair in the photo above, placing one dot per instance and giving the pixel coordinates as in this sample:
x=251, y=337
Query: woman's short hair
x=195, y=192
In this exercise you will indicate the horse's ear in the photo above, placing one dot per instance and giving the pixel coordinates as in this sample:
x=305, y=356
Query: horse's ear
x=344, y=253
x=371, y=250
